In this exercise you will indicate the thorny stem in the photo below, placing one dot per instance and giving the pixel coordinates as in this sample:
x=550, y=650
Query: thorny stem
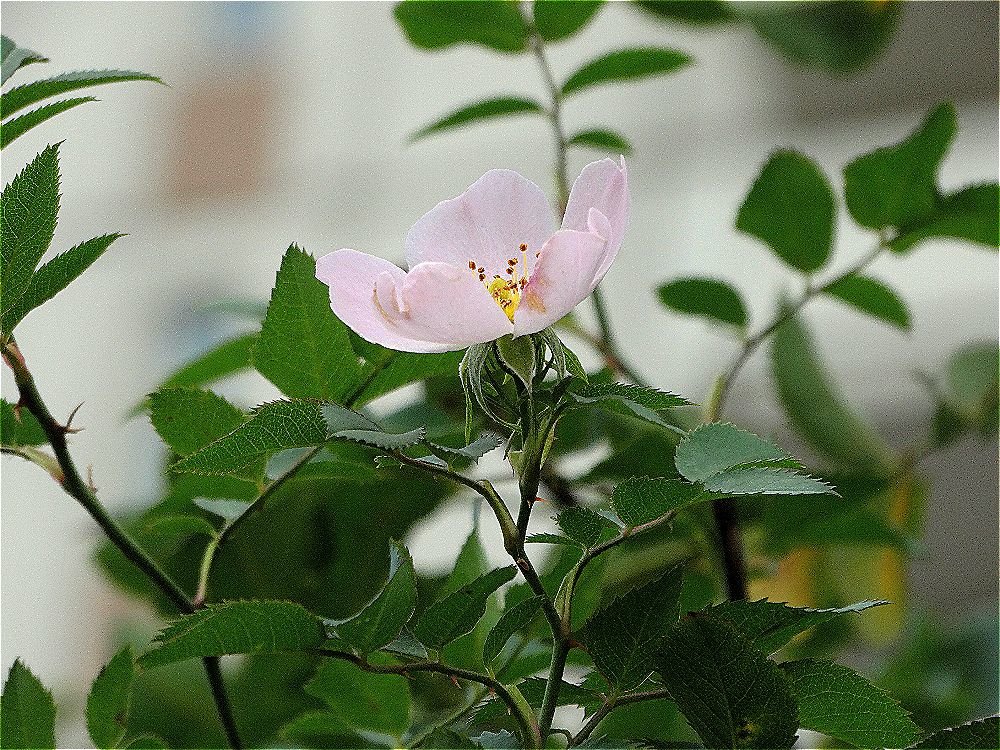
x=79, y=489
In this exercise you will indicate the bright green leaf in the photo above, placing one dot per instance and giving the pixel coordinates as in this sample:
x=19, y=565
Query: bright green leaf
x=108, y=701
x=552, y=539
x=457, y=613
x=388, y=370
x=27, y=713
x=21, y=428
x=709, y=298
x=473, y=451
x=712, y=448
x=240, y=627
x=983, y=734
x=433, y=24
x=485, y=109
x=20, y=97
x=147, y=742
x=625, y=65
x=873, y=297
x=639, y=500
x=603, y=140
x=514, y=619
x=189, y=419
x=13, y=57
x=561, y=19
x=375, y=702
x=791, y=209
x=14, y=129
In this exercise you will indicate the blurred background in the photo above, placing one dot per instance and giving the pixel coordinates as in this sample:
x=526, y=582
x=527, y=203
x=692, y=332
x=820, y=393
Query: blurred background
x=290, y=122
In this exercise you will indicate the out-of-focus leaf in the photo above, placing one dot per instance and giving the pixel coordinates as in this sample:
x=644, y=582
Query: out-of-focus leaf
x=791, y=209
x=513, y=620
x=625, y=65
x=603, y=140
x=108, y=701
x=457, y=613
x=23, y=96
x=561, y=19
x=495, y=24
x=687, y=11
x=485, y=109
x=983, y=734
x=376, y=702
x=872, y=297
x=14, y=129
x=27, y=712
x=709, y=298
x=968, y=214
x=227, y=358
x=970, y=385
x=13, y=57
x=21, y=428
x=189, y=419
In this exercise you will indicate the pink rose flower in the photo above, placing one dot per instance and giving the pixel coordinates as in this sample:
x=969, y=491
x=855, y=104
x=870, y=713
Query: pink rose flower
x=485, y=264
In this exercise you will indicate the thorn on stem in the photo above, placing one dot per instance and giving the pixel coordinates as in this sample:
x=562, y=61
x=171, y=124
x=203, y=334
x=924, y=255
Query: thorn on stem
x=90, y=478
x=68, y=428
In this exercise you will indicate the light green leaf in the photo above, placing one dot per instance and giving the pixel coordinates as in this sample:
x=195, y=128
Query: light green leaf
x=639, y=500
x=552, y=539
x=21, y=428
x=240, y=627
x=30, y=205
x=603, y=140
x=623, y=636
x=20, y=97
x=585, y=526
x=473, y=451
x=651, y=398
x=839, y=702
x=729, y=692
x=55, y=276
x=765, y=480
x=225, y=359
x=226, y=508
x=968, y=214
x=971, y=380
x=709, y=298
x=791, y=209
x=13, y=57
x=485, y=109
x=983, y=734
x=27, y=712
x=561, y=19
x=14, y=129
x=496, y=24
x=514, y=619
x=712, y=448
x=374, y=702
x=625, y=65
x=519, y=357
x=189, y=419
x=338, y=418
x=770, y=625
x=108, y=701
x=457, y=613
x=382, y=619
x=873, y=297
x=303, y=347
x=384, y=440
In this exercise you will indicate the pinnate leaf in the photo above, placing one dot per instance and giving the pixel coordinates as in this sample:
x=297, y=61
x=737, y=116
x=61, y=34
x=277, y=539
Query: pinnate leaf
x=14, y=129
x=791, y=209
x=639, y=500
x=436, y=25
x=625, y=65
x=486, y=109
x=839, y=702
x=514, y=619
x=27, y=712
x=603, y=140
x=709, y=298
x=559, y=19
x=983, y=734
x=872, y=297
x=108, y=701
x=457, y=613
x=20, y=97
x=239, y=627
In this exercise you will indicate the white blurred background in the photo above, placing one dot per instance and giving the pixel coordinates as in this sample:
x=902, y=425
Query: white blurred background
x=290, y=122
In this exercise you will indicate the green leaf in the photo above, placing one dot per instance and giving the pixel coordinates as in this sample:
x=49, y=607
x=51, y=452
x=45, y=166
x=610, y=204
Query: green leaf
x=791, y=209
x=625, y=65
x=457, y=613
x=21, y=428
x=639, y=500
x=473, y=451
x=561, y=19
x=709, y=298
x=13, y=57
x=686, y=11
x=770, y=625
x=30, y=205
x=603, y=140
x=179, y=527
x=14, y=129
x=55, y=276
x=471, y=563
x=896, y=186
x=873, y=297
x=485, y=109
x=303, y=347
x=729, y=692
x=27, y=713
x=969, y=214
x=227, y=358
x=623, y=636
x=819, y=413
x=20, y=97
x=384, y=440
x=382, y=619
x=839, y=702
x=228, y=509
x=189, y=419
x=108, y=701
x=585, y=526
x=765, y=480
x=496, y=24
x=272, y=427
x=147, y=742
x=983, y=734
x=642, y=401
x=712, y=448
x=971, y=382
x=388, y=370
x=514, y=619
x=519, y=357
x=375, y=702
x=240, y=627
x=552, y=539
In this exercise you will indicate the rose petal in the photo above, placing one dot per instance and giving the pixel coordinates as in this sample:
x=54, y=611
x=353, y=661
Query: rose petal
x=485, y=224
x=602, y=185
x=564, y=276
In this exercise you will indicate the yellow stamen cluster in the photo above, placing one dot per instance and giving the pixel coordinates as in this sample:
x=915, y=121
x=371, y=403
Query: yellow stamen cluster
x=506, y=292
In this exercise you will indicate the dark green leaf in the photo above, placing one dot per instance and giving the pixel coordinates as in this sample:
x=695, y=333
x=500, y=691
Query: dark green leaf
x=502, y=740
x=14, y=129
x=27, y=713
x=709, y=298
x=485, y=109
x=969, y=214
x=770, y=625
x=603, y=140
x=20, y=97
x=388, y=370
x=983, y=734
x=147, y=742
x=639, y=500
x=240, y=627
x=433, y=24
x=303, y=347
x=625, y=65
x=689, y=11
x=791, y=209
x=180, y=527
x=729, y=692
x=552, y=539
x=514, y=619
x=457, y=613
x=108, y=701
x=642, y=401
x=585, y=526
x=839, y=702
x=376, y=702
x=189, y=419
x=872, y=297
x=712, y=448
x=561, y=19
x=472, y=562
x=314, y=728
x=382, y=619
x=21, y=428
x=227, y=358
x=55, y=276
x=30, y=205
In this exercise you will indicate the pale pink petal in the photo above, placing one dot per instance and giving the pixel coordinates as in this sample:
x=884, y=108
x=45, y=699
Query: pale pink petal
x=360, y=285
x=486, y=224
x=602, y=185
x=565, y=274
x=449, y=305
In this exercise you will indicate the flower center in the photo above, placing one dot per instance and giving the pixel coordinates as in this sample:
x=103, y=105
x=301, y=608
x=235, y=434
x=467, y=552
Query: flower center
x=506, y=291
